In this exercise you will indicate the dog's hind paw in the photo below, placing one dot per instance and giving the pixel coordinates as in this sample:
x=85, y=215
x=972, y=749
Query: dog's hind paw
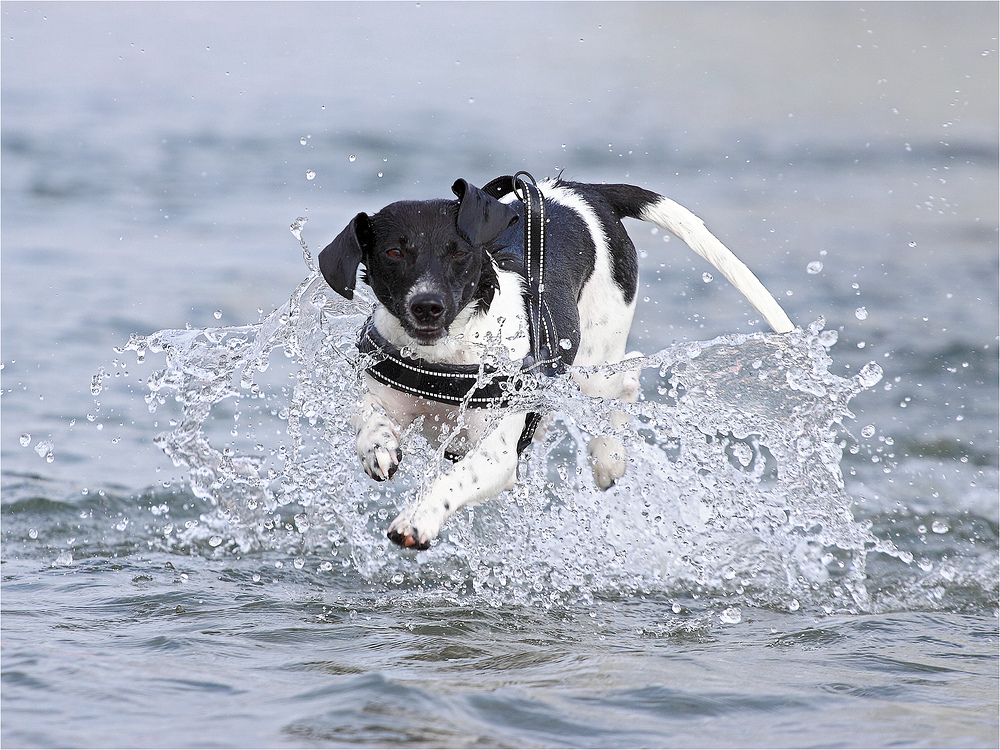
x=379, y=451
x=607, y=459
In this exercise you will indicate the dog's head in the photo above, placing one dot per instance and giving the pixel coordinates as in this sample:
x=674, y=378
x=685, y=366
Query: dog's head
x=426, y=261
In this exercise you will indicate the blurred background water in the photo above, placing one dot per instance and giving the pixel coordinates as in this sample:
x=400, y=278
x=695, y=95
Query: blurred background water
x=153, y=158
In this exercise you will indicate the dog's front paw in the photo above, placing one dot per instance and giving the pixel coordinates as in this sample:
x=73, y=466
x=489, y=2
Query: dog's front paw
x=418, y=525
x=378, y=449
x=607, y=459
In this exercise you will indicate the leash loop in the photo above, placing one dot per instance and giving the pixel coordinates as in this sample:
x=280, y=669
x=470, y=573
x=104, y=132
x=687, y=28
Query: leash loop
x=517, y=178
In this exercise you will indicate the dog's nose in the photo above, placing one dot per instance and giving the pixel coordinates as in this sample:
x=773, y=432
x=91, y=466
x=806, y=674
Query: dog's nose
x=427, y=308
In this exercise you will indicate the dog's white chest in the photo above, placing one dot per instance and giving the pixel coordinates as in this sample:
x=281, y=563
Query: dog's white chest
x=438, y=421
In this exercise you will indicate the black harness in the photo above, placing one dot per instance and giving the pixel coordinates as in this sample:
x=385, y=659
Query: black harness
x=479, y=386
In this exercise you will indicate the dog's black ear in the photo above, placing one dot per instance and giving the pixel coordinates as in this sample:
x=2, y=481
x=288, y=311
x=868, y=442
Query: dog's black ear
x=339, y=261
x=481, y=217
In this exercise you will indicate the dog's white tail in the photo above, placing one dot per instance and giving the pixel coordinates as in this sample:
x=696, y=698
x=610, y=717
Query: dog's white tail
x=685, y=225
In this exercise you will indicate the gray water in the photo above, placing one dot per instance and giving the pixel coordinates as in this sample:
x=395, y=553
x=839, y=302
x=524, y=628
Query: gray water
x=804, y=551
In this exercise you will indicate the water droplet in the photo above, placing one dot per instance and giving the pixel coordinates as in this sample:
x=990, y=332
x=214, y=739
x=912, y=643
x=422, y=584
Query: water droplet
x=868, y=430
x=255, y=578
x=44, y=449
x=707, y=277
x=310, y=174
x=64, y=559
x=215, y=541
x=302, y=140
x=96, y=383
x=828, y=338
x=352, y=158
x=397, y=579
x=731, y=615
x=870, y=375
x=861, y=313
x=218, y=314
x=299, y=563
x=33, y=533
x=565, y=344
x=815, y=267
x=25, y=440
x=939, y=527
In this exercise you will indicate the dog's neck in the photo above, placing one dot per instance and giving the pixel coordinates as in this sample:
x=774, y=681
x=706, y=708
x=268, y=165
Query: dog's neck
x=474, y=333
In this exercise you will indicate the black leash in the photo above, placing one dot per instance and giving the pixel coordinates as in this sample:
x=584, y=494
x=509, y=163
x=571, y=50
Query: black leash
x=479, y=386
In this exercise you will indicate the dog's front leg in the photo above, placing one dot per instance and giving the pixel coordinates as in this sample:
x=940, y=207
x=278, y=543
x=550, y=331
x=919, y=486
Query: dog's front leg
x=377, y=439
x=485, y=472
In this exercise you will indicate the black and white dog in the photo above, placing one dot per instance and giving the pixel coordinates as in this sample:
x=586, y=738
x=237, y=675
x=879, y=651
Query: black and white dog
x=454, y=284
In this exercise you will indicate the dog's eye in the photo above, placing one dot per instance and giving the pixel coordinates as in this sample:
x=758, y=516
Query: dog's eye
x=459, y=251
x=394, y=252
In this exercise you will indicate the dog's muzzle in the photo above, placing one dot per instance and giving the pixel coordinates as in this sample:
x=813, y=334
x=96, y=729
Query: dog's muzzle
x=427, y=314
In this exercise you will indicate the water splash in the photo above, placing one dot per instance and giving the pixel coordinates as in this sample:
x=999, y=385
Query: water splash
x=296, y=230
x=734, y=487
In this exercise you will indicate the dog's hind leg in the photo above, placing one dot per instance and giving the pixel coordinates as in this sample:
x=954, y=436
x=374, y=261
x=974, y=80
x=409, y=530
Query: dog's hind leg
x=607, y=454
x=483, y=473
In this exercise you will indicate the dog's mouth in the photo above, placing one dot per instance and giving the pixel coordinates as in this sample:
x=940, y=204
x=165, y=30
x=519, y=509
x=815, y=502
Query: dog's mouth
x=428, y=336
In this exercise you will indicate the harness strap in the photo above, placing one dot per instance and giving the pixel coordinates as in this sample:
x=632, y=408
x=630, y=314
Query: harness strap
x=480, y=387
x=544, y=347
x=544, y=343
